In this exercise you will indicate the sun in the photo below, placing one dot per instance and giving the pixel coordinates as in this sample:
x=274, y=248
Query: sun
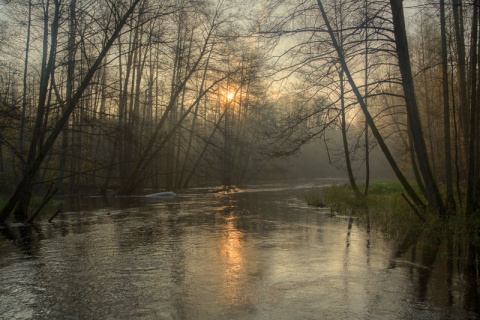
x=230, y=95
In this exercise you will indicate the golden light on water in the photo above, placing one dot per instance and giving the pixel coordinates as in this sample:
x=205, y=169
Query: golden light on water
x=233, y=263
x=232, y=248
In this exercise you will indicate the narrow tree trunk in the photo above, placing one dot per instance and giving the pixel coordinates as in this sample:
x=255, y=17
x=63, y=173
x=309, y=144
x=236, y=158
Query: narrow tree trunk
x=472, y=170
x=450, y=201
x=346, y=150
x=2, y=168
x=123, y=154
x=69, y=93
x=456, y=134
x=457, y=7
x=24, y=95
x=367, y=144
x=137, y=102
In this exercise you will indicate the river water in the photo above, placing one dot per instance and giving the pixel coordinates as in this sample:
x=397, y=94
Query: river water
x=258, y=253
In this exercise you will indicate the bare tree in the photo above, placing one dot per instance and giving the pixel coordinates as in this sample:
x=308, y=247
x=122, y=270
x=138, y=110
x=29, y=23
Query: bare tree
x=401, y=177
x=20, y=199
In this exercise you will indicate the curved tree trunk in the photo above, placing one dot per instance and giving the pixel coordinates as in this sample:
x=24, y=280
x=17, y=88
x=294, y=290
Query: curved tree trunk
x=346, y=150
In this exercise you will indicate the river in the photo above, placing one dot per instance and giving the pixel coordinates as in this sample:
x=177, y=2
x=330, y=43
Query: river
x=257, y=253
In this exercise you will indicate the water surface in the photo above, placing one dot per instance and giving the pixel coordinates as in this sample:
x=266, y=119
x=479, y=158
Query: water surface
x=259, y=253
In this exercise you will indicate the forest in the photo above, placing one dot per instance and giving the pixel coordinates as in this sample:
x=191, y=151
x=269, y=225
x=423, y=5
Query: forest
x=122, y=96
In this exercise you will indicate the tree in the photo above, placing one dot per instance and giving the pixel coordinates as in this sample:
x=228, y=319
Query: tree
x=192, y=67
x=401, y=177
x=20, y=199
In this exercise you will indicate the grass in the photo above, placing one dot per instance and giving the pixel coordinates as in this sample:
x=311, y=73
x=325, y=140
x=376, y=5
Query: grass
x=384, y=208
x=315, y=198
x=387, y=212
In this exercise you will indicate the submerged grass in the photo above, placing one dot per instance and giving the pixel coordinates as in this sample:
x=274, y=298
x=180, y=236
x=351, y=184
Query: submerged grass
x=315, y=198
x=386, y=211
x=384, y=208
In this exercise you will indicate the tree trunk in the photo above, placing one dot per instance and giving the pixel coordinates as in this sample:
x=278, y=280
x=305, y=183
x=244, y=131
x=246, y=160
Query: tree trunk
x=24, y=95
x=450, y=201
x=365, y=98
x=472, y=170
x=123, y=154
x=68, y=94
x=401, y=43
x=457, y=7
x=346, y=150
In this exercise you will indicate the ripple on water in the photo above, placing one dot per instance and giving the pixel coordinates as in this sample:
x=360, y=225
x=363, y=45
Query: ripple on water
x=258, y=254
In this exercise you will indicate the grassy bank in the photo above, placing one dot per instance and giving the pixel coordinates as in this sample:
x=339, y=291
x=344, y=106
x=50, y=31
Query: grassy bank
x=386, y=211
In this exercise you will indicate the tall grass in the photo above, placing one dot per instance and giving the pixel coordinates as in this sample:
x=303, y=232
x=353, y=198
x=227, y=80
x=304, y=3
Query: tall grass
x=384, y=209
x=315, y=198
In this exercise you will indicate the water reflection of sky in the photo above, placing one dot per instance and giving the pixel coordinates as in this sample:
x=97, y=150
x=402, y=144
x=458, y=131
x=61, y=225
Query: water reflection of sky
x=246, y=255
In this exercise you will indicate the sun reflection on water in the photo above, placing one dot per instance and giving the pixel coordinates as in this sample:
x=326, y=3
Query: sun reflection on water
x=232, y=256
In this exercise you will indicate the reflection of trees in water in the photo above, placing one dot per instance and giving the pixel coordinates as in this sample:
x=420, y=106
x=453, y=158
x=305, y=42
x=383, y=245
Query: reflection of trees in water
x=26, y=238
x=18, y=294
x=472, y=299
x=445, y=269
